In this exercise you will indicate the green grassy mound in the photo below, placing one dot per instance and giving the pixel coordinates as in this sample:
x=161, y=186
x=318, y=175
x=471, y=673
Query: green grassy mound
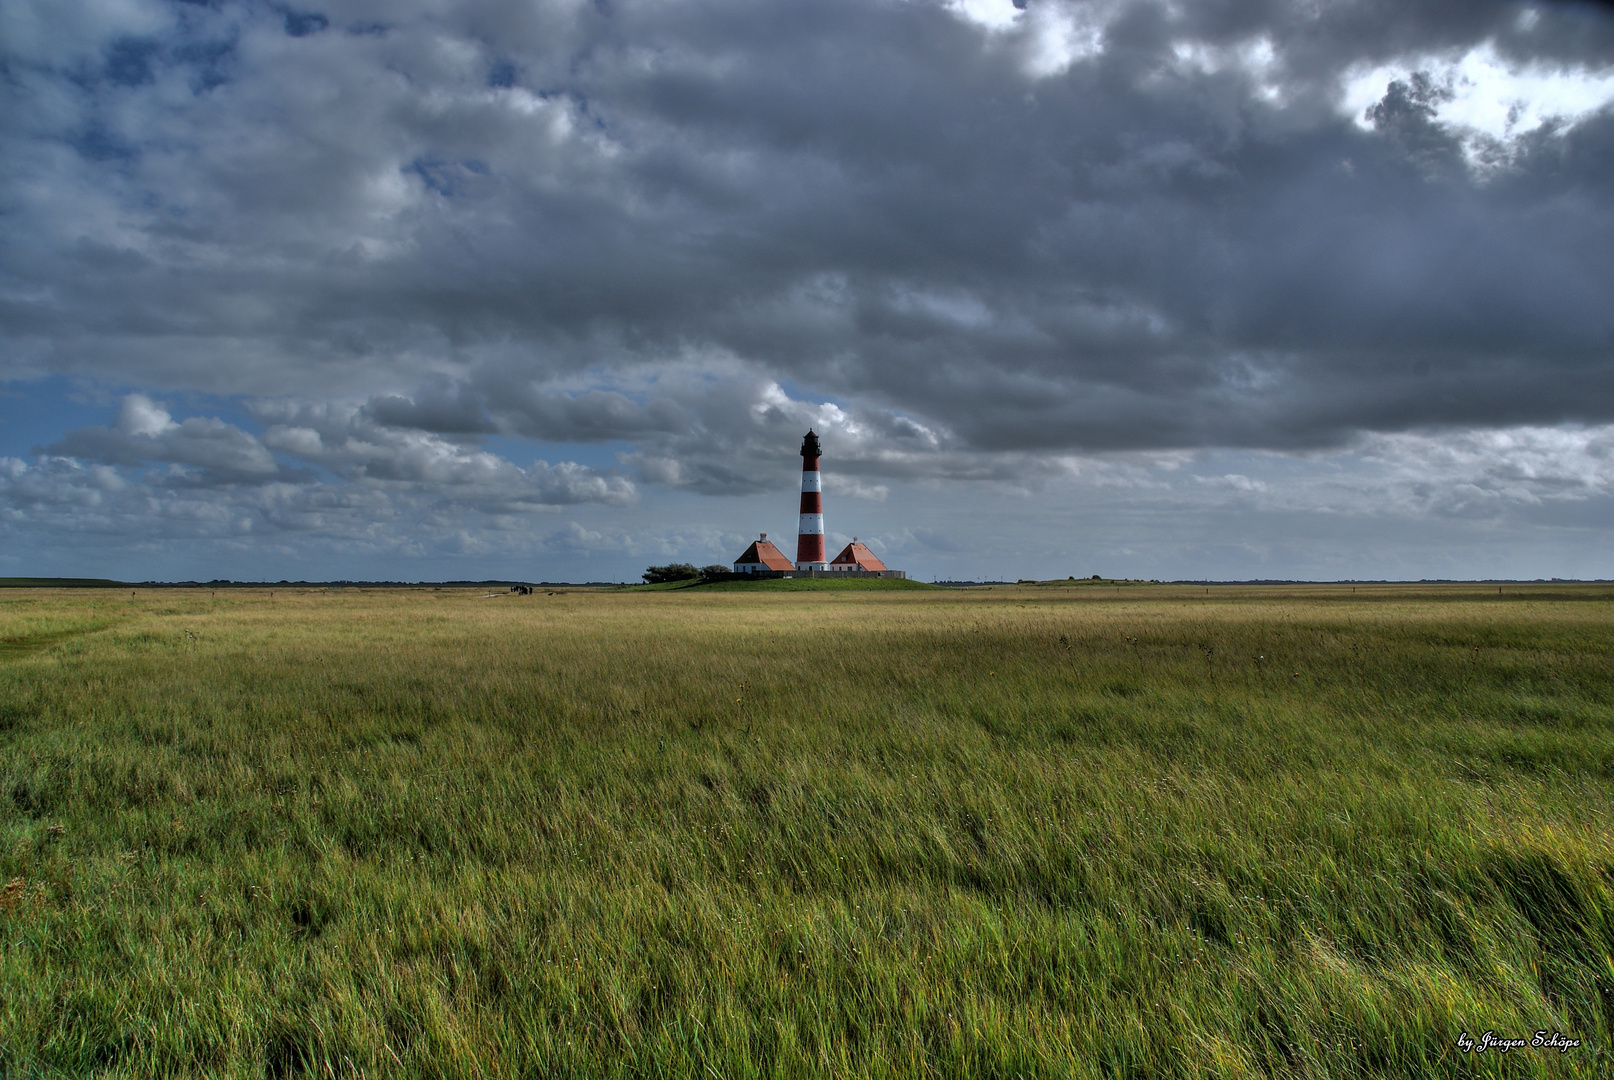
x=817, y=585
x=788, y=585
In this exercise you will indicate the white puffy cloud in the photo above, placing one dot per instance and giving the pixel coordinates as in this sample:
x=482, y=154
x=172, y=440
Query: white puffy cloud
x=145, y=432
x=351, y=443
x=1480, y=471
x=319, y=475
x=1489, y=102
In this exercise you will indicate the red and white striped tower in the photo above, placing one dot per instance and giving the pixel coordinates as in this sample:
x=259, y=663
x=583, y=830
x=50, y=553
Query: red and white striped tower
x=810, y=538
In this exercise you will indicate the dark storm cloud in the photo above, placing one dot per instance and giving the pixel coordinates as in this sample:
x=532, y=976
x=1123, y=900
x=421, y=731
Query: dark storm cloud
x=490, y=217
x=439, y=409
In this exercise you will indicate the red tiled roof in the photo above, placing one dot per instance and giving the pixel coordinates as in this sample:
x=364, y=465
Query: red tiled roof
x=860, y=556
x=765, y=553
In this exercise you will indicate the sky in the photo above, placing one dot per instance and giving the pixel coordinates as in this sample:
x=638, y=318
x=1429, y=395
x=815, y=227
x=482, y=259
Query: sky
x=441, y=289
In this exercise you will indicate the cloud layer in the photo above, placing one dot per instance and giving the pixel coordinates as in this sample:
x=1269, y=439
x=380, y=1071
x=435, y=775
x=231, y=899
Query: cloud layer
x=972, y=241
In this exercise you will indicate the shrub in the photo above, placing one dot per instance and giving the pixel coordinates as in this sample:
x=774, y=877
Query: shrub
x=678, y=571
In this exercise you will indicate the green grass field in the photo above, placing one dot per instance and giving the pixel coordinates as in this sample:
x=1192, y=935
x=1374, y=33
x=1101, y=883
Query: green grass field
x=1026, y=831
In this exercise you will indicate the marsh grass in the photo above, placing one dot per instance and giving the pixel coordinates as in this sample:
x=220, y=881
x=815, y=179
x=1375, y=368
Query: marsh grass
x=1019, y=831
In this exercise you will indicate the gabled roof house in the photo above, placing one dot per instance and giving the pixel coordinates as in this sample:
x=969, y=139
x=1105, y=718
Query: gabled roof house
x=856, y=556
x=762, y=555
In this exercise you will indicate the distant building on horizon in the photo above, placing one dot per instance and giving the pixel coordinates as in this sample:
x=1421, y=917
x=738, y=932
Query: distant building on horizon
x=762, y=555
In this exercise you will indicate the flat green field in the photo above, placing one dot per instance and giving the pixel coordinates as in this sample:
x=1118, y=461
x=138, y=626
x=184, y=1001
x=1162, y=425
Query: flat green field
x=1024, y=831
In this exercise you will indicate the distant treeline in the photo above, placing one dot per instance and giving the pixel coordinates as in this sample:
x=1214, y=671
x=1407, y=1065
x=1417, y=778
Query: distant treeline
x=1420, y=581
x=224, y=583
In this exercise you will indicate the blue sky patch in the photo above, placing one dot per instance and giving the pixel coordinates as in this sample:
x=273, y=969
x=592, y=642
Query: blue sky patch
x=304, y=23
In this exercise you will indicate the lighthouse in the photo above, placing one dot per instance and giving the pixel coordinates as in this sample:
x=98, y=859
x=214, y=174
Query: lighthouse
x=763, y=560
x=810, y=553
